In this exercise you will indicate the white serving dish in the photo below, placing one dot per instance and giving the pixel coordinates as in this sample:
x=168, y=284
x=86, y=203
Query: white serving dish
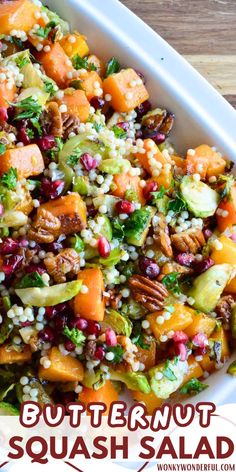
x=202, y=115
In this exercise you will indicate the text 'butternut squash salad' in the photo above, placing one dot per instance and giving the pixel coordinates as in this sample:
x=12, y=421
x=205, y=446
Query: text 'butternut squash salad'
x=118, y=256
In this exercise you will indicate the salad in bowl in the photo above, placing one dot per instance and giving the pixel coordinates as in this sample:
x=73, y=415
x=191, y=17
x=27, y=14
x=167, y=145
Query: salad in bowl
x=117, y=254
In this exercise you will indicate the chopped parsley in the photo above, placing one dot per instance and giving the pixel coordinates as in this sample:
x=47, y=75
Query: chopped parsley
x=9, y=179
x=31, y=280
x=193, y=386
x=29, y=107
x=2, y=148
x=78, y=244
x=75, y=335
x=22, y=61
x=30, y=133
x=73, y=159
x=117, y=229
x=97, y=127
x=119, y=132
x=44, y=32
x=177, y=204
x=118, y=352
x=227, y=182
x=113, y=66
x=168, y=372
x=137, y=337
x=83, y=63
x=49, y=87
x=171, y=282
x=159, y=194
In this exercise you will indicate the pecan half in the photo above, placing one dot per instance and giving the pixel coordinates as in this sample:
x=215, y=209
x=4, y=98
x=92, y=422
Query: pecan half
x=160, y=120
x=55, y=119
x=70, y=124
x=149, y=293
x=67, y=262
x=224, y=308
x=114, y=299
x=188, y=241
x=45, y=228
x=162, y=237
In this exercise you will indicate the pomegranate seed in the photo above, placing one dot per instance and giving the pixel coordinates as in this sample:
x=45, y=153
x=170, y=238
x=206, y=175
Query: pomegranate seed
x=47, y=335
x=124, y=206
x=88, y=162
x=8, y=246
x=69, y=345
x=1, y=209
x=202, y=266
x=180, y=337
x=233, y=237
x=104, y=247
x=200, y=340
x=123, y=125
x=93, y=327
x=11, y=264
x=100, y=353
x=181, y=350
x=60, y=322
x=3, y=115
x=207, y=233
x=157, y=137
x=23, y=136
x=185, y=259
x=79, y=323
x=148, y=189
x=50, y=312
x=97, y=103
x=11, y=115
x=46, y=143
x=23, y=242
x=51, y=189
x=35, y=268
x=111, y=339
x=149, y=267
x=26, y=323
x=143, y=109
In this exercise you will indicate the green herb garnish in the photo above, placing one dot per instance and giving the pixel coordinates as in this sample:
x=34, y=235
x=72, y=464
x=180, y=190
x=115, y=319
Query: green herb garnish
x=9, y=179
x=75, y=335
x=2, y=148
x=137, y=337
x=73, y=159
x=78, y=243
x=30, y=108
x=118, y=352
x=160, y=194
x=82, y=63
x=117, y=229
x=227, y=181
x=168, y=372
x=97, y=127
x=119, y=132
x=49, y=87
x=177, y=204
x=193, y=386
x=44, y=32
x=171, y=282
x=30, y=133
x=22, y=61
x=113, y=66
x=31, y=280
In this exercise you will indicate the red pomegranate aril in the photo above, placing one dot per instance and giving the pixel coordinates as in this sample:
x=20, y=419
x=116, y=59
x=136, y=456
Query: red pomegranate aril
x=233, y=237
x=207, y=233
x=69, y=345
x=111, y=339
x=46, y=143
x=185, y=259
x=47, y=334
x=180, y=337
x=97, y=103
x=79, y=323
x=50, y=312
x=51, y=189
x=93, y=327
x=157, y=137
x=181, y=350
x=35, y=268
x=124, y=206
x=149, y=267
x=11, y=264
x=1, y=209
x=100, y=353
x=104, y=247
x=148, y=189
x=8, y=246
x=143, y=109
x=23, y=137
x=60, y=322
x=123, y=125
x=200, y=340
x=91, y=211
x=202, y=266
x=3, y=115
x=88, y=162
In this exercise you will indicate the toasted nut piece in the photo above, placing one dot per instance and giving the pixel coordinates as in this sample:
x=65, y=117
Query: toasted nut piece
x=149, y=293
x=173, y=266
x=55, y=118
x=70, y=124
x=66, y=262
x=188, y=241
x=162, y=237
x=45, y=228
x=224, y=308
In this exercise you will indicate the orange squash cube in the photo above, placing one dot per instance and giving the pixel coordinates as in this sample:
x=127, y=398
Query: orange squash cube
x=201, y=323
x=77, y=103
x=18, y=15
x=194, y=370
x=150, y=400
x=180, y=319
x=27, y=160
x=91, y=83
x=126, y=89
x=71, y=211
x=62, y=368
x=147, y=356
x=91, y=305
x=106, y=394
x=74, y=44
x=13, y=357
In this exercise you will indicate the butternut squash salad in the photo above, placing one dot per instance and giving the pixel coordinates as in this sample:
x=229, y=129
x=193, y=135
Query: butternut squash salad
x=118, y=255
